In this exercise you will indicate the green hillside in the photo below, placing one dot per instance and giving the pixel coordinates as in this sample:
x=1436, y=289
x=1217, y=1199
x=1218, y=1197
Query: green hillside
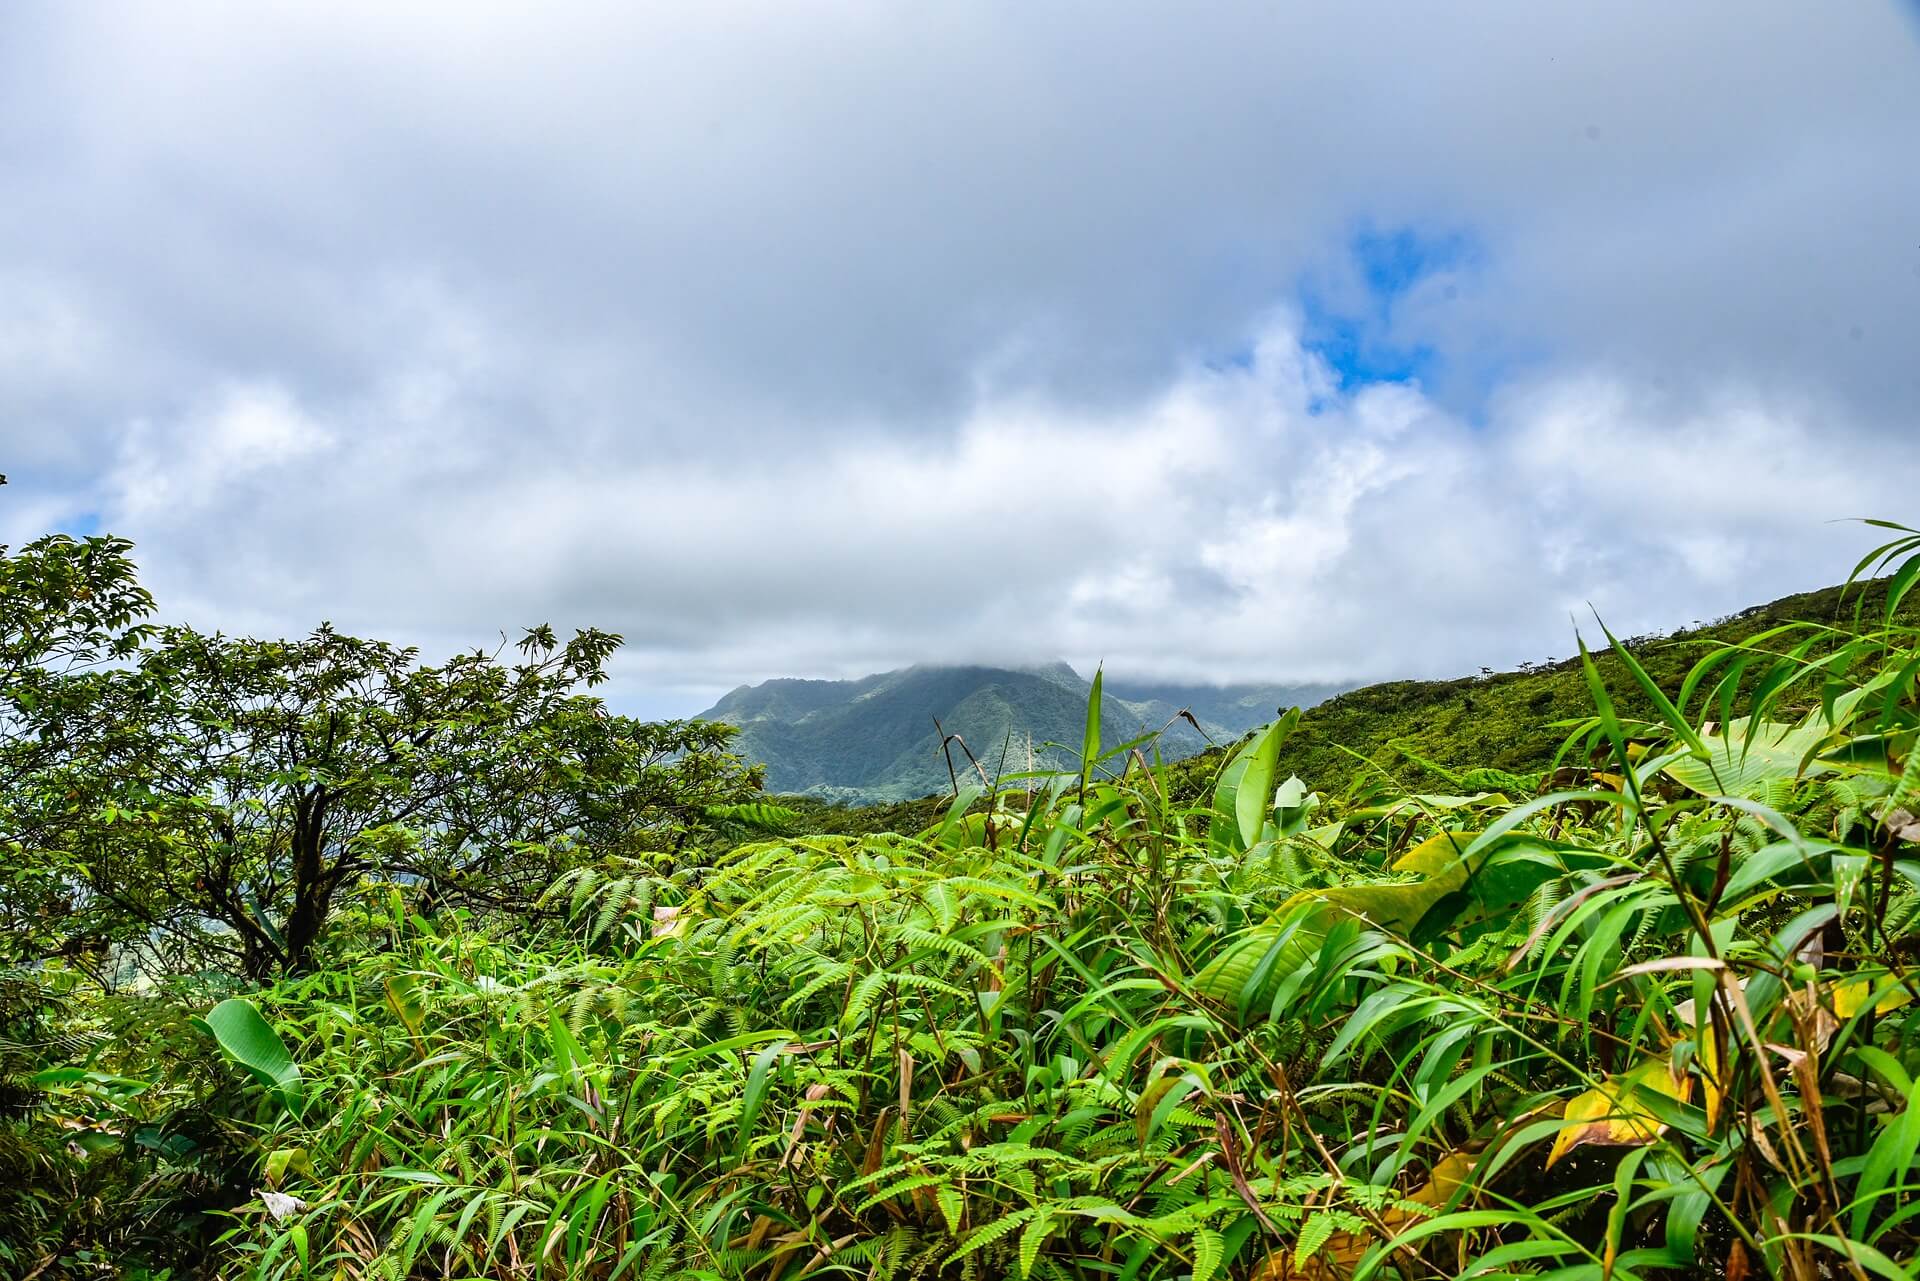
x=1400, y=730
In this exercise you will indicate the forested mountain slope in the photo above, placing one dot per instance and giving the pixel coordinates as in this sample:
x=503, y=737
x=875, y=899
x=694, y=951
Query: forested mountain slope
x=875, y=738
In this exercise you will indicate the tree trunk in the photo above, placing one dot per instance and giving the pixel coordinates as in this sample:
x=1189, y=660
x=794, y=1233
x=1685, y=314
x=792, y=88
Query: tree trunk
x=256, y=961
x=312, y=888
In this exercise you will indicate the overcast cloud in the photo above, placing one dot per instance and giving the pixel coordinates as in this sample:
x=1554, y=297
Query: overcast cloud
x=1220, y=342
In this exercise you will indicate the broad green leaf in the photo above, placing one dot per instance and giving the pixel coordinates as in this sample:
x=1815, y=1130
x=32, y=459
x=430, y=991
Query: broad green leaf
x=1301, y=924
x=755, y=1095
x=1090, y=738
x=404, y=999
x=1890, y=1162
x=251, y=1042
x=1743, y=759
x=1244, y=796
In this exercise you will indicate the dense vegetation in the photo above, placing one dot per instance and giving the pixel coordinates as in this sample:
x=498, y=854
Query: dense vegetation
x=1629, y=996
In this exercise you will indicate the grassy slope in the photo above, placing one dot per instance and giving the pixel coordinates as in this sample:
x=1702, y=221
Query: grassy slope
x=1504, y=720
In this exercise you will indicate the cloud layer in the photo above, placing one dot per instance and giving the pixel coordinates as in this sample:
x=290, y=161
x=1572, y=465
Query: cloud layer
x=815, y=340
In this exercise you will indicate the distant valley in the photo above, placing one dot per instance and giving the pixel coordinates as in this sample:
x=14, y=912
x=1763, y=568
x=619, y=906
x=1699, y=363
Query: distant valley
x=874, y=739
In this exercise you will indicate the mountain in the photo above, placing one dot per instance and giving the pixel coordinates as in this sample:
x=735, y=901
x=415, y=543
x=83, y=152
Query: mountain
x=874, y=739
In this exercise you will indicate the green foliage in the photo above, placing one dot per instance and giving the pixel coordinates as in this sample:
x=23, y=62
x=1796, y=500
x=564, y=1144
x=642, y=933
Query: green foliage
x=68, y=608
x=174, y=805
x=252, y=1043
x=1501, y=731
x=118, y=1133
x=1504, y=731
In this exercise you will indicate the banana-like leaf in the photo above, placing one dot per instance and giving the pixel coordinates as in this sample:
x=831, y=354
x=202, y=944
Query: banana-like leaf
x=1744, y=759
x=1503, y=875
x=251, y=1042
x=1244, y=797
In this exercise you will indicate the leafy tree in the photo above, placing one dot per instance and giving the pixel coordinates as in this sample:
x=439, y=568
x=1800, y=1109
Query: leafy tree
x=69, y=609
x=223, y=791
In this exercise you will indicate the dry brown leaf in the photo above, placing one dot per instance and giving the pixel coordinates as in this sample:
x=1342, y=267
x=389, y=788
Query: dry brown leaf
x=876, y=1143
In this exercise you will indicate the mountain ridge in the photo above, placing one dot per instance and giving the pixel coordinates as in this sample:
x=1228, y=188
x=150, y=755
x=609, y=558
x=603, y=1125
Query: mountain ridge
x=889, y=736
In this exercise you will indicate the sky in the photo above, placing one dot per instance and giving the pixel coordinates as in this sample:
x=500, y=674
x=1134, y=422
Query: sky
x=1215, y=342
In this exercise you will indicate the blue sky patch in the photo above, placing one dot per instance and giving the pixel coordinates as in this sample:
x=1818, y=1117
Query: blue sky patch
x=1349, y=316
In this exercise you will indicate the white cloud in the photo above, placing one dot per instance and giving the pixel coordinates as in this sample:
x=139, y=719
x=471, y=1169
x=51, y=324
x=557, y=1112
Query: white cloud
x=1239, y=522
x=194, y=467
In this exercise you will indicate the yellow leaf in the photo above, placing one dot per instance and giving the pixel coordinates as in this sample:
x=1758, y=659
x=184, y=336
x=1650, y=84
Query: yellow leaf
x=1438, y=855
x=1334, y=1261
x=1449, y=1173
x=1851, y=993
x=1615, y=1112
x=1711, y=1095
x=1150, y=1099
x=280, y=1160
